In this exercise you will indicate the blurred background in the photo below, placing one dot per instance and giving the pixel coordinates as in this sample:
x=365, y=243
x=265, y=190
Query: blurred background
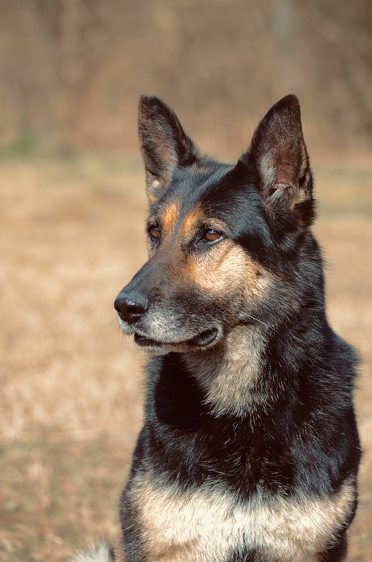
x=72, y=212
x=74, y=69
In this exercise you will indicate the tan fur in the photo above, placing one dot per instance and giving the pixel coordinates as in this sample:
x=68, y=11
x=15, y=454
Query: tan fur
x=206, y=524
x=190, y=221
x=229, y=376
x=169, y=217
x=226, y=268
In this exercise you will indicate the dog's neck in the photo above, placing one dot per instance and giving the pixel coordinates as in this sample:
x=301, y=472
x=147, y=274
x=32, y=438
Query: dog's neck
x=229, y=374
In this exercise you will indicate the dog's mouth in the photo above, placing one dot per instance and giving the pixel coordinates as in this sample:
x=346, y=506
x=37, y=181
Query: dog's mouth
x=202, y=340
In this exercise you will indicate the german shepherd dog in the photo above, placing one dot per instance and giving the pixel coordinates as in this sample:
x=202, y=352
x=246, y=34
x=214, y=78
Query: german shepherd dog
x=249, y=450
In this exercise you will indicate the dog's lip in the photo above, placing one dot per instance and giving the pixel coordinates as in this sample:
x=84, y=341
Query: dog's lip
x=204, y=338
x=200, y=340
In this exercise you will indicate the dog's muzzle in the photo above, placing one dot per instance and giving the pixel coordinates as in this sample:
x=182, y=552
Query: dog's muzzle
x=158, y=332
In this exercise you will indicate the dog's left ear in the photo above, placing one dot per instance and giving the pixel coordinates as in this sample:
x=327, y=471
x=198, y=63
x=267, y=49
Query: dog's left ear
x=279, y=155
x=164, y=144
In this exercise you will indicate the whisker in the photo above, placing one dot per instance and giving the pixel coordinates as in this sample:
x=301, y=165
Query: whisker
x=257, y=320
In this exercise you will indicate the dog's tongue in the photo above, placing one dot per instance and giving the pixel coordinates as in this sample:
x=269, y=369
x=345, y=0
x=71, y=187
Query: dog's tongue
x=204, y=338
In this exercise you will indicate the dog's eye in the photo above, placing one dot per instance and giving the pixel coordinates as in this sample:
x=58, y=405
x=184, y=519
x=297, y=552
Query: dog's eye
x=154, y=232
x=211, y=235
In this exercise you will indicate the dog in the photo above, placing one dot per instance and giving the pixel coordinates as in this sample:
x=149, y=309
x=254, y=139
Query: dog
x=249, y=450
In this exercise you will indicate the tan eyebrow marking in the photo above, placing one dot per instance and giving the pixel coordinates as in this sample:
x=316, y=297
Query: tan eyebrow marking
x=169, y=217
x=190, y=220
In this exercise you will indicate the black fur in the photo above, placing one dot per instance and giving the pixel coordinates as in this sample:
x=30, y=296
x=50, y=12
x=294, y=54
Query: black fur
x=297, y=432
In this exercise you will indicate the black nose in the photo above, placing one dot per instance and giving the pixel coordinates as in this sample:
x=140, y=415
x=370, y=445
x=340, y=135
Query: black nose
x=130, y=306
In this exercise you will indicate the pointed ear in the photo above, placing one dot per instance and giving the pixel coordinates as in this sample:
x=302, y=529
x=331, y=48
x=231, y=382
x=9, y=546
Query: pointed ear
x=279, y=155
x=164, y=144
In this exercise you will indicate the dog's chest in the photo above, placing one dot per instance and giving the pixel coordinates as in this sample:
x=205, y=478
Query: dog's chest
x=210, y=524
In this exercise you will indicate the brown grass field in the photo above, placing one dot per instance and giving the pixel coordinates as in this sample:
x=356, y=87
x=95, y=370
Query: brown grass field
x=71, y=385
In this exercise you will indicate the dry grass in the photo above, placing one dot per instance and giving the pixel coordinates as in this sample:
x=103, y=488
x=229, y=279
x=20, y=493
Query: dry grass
x=71, y=237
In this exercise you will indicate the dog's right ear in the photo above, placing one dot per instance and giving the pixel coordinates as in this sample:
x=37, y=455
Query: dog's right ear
x=164, y=144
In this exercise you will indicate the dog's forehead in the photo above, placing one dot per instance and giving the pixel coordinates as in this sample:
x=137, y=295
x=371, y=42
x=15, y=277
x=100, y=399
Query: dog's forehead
x=195, y=197
x=180, y=214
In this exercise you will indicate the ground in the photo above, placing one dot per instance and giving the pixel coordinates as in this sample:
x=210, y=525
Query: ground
x=71, y=236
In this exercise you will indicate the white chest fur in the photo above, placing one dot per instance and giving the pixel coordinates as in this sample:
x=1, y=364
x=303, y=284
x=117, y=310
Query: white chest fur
x=207, y=524
x=229, y=376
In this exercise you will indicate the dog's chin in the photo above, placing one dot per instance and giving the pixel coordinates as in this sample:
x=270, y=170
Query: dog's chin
x=199, y=342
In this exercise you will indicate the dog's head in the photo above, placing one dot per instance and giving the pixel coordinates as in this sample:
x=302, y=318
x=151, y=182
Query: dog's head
x=218, y=235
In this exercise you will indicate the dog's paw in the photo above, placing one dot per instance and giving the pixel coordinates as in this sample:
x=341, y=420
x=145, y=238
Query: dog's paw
x=101, y=553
